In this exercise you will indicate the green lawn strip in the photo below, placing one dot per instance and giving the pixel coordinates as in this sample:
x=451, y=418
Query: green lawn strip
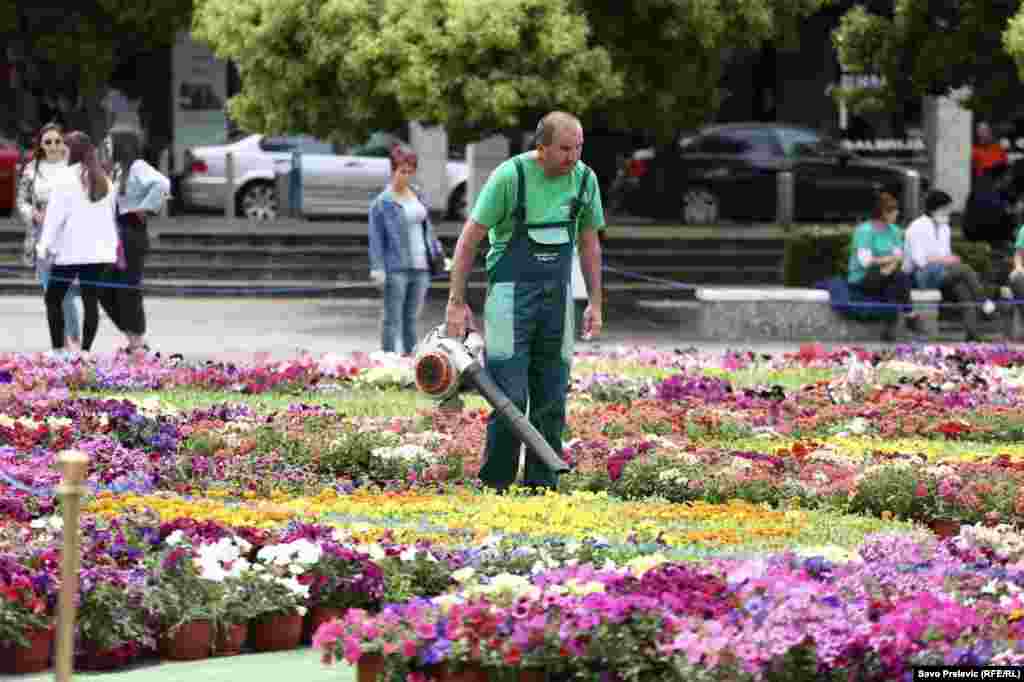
x=297, y=664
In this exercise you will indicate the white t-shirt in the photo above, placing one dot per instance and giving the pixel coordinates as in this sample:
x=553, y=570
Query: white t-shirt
x=415, y=214
x=924, y=239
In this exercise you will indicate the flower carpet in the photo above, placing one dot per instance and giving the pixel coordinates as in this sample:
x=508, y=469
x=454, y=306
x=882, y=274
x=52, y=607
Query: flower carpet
x=728, y=517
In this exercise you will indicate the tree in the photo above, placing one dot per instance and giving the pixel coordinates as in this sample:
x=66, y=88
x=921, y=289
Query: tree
x=932, y=47
x=340, y=68
x=671, y=52
x=87, y=38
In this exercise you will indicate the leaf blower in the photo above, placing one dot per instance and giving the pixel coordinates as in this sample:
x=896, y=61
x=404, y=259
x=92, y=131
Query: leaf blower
x=444, y=365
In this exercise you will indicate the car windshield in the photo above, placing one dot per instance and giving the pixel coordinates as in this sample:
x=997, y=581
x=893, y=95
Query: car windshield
x=798, y=142
x=379, y=144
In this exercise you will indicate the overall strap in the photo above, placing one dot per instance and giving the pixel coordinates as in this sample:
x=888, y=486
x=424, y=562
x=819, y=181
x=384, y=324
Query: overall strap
x=577, y=204
x=519, y=212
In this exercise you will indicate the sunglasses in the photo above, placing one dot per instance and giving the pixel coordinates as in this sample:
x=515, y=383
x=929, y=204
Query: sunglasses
x=52, y=141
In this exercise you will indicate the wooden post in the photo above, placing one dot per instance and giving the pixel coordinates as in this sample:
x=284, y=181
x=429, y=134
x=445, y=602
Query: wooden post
x=73, y=464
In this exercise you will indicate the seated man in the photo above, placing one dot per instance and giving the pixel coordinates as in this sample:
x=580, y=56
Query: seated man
x=928, y=257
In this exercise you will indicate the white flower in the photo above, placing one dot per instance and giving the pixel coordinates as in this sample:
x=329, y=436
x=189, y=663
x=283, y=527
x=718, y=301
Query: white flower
x=175, y=538
x=408, y=554
x=463, y=574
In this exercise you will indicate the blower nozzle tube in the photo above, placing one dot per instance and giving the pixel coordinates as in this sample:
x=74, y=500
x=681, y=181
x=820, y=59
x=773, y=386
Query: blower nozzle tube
x=475, y=375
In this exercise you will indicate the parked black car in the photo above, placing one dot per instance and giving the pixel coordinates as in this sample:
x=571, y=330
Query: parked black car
x=730, y=171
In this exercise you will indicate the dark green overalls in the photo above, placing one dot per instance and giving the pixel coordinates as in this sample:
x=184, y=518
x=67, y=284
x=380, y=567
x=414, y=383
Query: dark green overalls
x=529, y=336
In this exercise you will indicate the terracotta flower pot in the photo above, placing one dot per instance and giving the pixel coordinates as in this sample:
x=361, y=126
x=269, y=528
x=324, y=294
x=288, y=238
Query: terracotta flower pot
x=533, y=675
x=190, y=642
x=317, y=616
x=945, y=528
x=229, y=640
x=94, y=658
x=467, y=673
x=370, y=668
x=276, y=633
x=33, y=658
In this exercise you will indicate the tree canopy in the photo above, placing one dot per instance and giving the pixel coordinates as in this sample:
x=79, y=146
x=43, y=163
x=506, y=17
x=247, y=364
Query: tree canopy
x=933, y=47
x=341, y=68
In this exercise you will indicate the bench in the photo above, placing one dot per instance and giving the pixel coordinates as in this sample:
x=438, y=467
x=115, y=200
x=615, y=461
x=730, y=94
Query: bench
x=791, y=314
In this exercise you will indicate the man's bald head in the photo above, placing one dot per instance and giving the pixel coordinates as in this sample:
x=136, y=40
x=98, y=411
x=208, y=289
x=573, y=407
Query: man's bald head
x=554, y=122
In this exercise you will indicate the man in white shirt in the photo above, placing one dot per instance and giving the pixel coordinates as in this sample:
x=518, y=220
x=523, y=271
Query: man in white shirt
x=928, y=257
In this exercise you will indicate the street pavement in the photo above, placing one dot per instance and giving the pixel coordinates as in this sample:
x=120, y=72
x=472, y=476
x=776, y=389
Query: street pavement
x=236, y=329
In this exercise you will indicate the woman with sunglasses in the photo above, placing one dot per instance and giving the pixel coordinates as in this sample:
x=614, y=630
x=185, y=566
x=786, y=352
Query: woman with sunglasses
x=49, y=160
x=80, y=238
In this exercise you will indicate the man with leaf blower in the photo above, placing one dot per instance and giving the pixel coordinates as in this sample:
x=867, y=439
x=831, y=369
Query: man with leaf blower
x=535, y=209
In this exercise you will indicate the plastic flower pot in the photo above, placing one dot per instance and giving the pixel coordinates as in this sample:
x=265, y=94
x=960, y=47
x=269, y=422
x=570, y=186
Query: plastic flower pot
x=33, y=658
x=276, y=633
x=190, y=642
x=229, y=640
x=94, y=658
x=370, y=668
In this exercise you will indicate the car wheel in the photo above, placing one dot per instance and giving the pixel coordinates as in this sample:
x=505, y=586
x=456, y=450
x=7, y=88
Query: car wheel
x=457, y=205
x=699, y=207
x=258, y=201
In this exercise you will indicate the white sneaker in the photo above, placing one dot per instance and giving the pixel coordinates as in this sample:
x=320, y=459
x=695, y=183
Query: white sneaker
x=59, y=354
x=988, y=307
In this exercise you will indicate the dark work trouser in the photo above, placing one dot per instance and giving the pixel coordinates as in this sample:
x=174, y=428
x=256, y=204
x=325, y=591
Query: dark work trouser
x=127, y=296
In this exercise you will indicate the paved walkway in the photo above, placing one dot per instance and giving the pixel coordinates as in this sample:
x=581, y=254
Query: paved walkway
x=236, y=328
x=298, y=664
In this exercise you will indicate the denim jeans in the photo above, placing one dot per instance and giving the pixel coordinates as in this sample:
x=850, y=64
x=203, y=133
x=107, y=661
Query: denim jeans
x=404, y=294
x=72, y=324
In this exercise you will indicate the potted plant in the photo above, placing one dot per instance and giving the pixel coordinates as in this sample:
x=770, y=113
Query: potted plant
x=25, y=627
x=342, y=579
x=277, y=586
x=181, y=603
x=224, y=565
x=111, y=622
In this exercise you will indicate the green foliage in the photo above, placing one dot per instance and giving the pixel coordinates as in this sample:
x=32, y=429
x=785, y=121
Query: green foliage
x=891, y=488
x=922, y=49
x=109, y=617
x=692, y=37
x=350, y=454
x=92, y=35
x=342, y=68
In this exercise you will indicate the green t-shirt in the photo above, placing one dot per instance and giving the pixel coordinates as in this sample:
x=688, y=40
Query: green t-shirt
x=548, y=200
x=880, y=242
x=1019, y=245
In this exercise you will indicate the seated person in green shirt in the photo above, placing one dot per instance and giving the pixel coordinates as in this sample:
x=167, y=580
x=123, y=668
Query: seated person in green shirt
x=876, y=266
x=1017, y=274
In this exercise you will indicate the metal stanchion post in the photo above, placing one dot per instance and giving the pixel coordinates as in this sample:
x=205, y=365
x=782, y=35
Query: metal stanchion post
x=295, y=189
x=73, y=464
x=911, y=195
x=229, y=186
x=282, y=182
x=784, y=192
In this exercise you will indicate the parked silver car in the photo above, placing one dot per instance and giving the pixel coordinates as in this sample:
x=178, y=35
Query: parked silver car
x=334, y=181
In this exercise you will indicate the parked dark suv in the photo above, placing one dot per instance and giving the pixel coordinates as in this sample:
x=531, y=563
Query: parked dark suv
x=730, y=171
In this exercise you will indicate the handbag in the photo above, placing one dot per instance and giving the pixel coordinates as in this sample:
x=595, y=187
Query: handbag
x=435, y=253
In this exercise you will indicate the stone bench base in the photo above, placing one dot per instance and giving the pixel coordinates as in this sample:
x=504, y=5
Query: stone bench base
x=791, y=314
x=1015, y=319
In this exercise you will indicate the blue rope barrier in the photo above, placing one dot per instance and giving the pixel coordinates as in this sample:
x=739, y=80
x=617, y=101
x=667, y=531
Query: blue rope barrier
x=670, y=284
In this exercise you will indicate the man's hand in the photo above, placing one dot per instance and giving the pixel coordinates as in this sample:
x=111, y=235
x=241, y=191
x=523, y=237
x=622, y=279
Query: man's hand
x=952, y=260
x=458, y=319
x=378, y=277
x=592, y=322
x=888, y=268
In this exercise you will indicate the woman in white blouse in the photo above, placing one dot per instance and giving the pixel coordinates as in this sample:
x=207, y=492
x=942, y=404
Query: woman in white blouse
x=79, y=238
x=141, y=189
x=49, y=159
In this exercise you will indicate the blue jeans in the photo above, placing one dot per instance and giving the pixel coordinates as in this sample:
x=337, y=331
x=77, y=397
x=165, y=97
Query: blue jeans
x=404, y=294
x=72, y=324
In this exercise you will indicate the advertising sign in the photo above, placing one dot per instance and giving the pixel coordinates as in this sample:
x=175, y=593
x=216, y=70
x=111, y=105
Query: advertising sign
x=199, y=89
